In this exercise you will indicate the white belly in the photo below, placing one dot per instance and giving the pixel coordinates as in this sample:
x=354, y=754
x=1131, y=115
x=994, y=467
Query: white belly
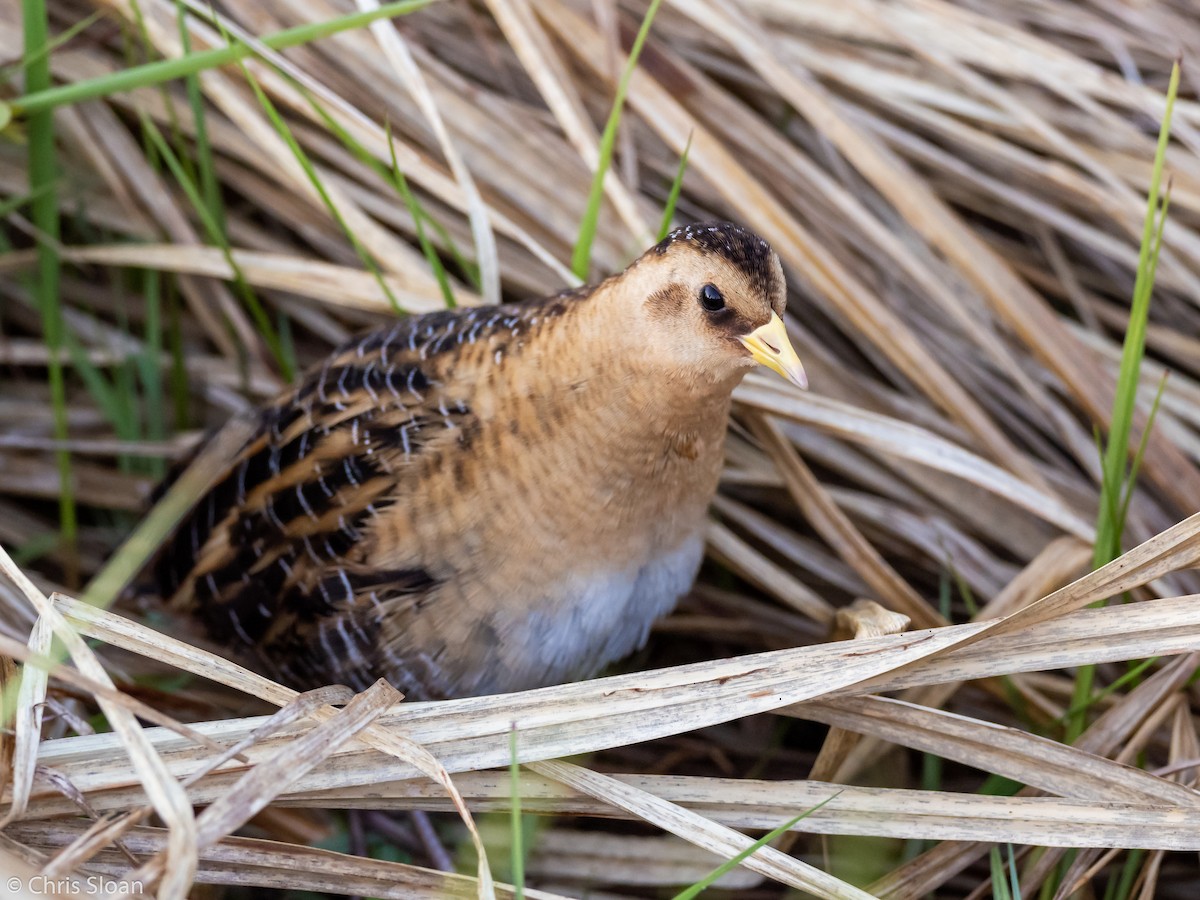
x=600, y=618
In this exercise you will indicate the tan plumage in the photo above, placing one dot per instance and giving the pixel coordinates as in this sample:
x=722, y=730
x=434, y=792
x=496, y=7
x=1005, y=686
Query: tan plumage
x=488, y=499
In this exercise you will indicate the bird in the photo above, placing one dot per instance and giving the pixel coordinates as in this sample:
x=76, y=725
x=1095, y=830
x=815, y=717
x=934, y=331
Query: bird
x=487, y=499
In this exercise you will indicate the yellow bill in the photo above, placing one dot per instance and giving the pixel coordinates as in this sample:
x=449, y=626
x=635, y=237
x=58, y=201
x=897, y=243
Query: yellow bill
x=769, y=345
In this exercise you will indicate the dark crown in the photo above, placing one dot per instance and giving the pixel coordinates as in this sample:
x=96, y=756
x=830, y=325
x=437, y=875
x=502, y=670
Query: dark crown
x=739, y=246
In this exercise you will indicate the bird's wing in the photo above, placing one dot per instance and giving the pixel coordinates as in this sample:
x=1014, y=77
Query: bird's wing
x=274, y=558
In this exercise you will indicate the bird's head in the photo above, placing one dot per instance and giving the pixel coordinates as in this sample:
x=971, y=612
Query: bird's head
x=710, y=298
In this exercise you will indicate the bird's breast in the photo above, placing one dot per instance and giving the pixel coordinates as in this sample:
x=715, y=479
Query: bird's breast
x=575, y=624
x=572, y=520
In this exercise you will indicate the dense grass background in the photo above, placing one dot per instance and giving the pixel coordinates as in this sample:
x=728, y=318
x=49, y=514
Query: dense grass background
x=988, y=291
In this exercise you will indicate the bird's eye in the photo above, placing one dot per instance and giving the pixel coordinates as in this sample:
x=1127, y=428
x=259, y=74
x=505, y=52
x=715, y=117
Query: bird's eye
x=711, y=298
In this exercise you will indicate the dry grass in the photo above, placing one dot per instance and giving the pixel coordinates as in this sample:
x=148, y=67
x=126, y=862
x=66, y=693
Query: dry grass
x=957, y=193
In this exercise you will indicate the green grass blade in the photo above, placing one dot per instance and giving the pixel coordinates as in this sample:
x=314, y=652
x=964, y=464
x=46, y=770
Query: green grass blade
x=1014, y=879
x=1118, y=525
x=29, y=552
x=126, y=425
x=180, y=395
x=419, y=218
x=1131, y=677
x=43, y=207
x=1121, y=888
x=310, y=172
x=999, y=882
x=395, y=177
x=12, y=204
x=964, y=590
x=7, y=71
x=581, y=259
x=676, y=186
x=1114, y=482
x=1134, y=347
x=468, y=268
x=1107, y=544
x=287, y=345
x=103, y=393
x=149, y=363
x=214, y=233
x=41, y=97
x=209, y=182
x=518, y=843
x=1141, y=450
x=728, y=866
